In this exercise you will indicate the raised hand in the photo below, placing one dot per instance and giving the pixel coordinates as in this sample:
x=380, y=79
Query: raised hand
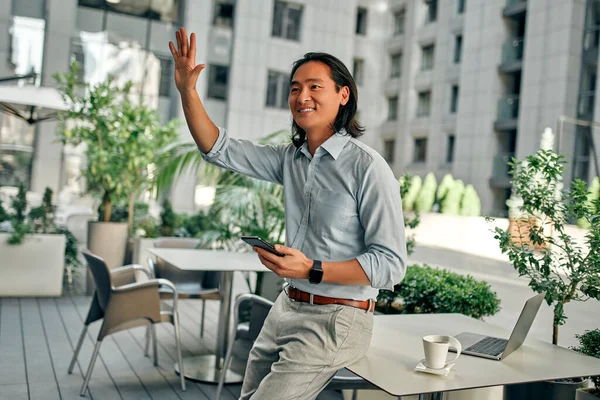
x=186, y=70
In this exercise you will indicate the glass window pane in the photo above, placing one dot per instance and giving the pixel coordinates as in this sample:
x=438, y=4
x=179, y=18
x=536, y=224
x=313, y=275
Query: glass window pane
x=278, y=19
x=27, y=45
x=361, y=21
x=284, y=90
x=450, y=149
x=166, y=75
x=420, y=151
x=392, y=108
x=396, y=65
x=357, y=70
x=272, y=89
x=388, y=150
x=217, y=85
x=294, y=19
x=128, y=27
x=89, y=20
x=399, y=22
x=17, y=140
x=29, y=8
x=224, y=12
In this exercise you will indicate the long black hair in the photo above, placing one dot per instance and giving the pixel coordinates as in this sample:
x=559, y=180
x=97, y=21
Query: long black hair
x=346, y=117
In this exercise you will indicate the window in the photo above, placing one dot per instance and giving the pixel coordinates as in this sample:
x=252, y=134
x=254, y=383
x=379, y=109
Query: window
x=392, y=108
x=224, y=13
x=427, y=53
x=461, y=6
x=167, y=11
x=396, y=69
x=166, y=75
x=388, y=150
x=77, y=54
x=358, y=70
x=27, y=32
x=287, y=19
x=217, y=82
x=430, y=11
x=399, y=22
x=361, y=21
x=420, y=151
x=17, y=139
x=450, y=149
x=424, y=106
x=277, y=90
x=454, y=99
x=457, y=48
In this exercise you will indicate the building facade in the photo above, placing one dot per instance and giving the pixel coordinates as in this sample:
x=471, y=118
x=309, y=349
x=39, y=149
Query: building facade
x=447, y=86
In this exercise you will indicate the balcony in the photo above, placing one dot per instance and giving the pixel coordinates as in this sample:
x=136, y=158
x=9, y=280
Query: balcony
x=514, y=8
x=512, y=55
x=508, y=113
x=585, y=105
x=500, y=170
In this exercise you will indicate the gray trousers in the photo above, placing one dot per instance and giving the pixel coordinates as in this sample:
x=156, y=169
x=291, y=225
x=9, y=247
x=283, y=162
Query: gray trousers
x=300, y=348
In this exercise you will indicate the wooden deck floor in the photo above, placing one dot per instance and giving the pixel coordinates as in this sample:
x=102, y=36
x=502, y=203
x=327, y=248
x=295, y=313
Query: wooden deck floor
x=38, y=335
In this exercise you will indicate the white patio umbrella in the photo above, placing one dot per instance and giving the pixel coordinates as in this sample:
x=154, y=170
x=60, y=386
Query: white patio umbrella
x=32, y=104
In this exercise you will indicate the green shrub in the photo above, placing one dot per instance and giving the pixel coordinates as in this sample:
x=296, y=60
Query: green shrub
x=594, y=194
x=408, y=202
x=470, y=204
x=426, y=197
x=3, y=213
x=451, y=202
x=589, y=344
x=446, y=183
x=426, y=290
x=411, y=220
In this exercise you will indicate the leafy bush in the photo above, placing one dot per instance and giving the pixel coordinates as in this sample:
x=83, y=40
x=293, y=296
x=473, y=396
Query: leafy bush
x=593, y=195
x=589, y=344
x=411, y=220
x=470, y=205
x=451, y=202
x=446, y=183
x=426, y=290
x=408, y=201
x=3, y=214
x=426, y=197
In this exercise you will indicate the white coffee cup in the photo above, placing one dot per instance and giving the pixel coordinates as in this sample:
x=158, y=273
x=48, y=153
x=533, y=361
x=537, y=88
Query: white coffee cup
x=436, y=349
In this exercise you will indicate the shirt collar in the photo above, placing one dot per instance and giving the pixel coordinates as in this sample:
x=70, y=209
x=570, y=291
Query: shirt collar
x=333, y=145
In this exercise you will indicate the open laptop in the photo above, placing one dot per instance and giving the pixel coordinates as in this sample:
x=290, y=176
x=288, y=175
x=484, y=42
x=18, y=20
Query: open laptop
x=495, y=348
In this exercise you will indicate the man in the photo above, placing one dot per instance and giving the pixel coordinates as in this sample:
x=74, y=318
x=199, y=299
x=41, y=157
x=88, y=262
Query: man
x=344, y=225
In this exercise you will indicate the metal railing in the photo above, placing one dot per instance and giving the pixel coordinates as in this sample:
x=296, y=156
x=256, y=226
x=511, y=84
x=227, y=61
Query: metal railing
x=508, y=108
x=512, y=50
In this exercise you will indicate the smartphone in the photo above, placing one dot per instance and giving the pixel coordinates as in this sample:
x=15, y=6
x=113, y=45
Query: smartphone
x=263, y=244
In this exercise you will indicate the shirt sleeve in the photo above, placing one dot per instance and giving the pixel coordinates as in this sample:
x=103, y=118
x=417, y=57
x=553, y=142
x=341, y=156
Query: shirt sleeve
x=380, y=213
x=263, y=162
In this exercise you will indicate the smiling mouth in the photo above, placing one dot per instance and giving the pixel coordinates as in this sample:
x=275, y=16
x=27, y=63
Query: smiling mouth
x=305, y=110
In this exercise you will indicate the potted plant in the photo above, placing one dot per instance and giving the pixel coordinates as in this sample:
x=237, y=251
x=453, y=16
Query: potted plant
x=589, y=344
x=564, y=268
x=123, y=140
x=37, y=256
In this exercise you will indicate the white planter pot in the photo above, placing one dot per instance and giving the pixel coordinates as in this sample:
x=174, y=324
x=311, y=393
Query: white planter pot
x=584, y=394
x=32, y=268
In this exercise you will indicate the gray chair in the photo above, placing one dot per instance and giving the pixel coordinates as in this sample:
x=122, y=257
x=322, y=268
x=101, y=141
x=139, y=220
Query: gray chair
x=245, y=335
x=122, y=303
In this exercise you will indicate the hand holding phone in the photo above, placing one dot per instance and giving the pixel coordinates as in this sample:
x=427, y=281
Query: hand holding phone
x=263, y=244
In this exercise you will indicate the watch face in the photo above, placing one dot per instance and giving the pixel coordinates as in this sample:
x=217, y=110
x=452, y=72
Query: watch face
x=316, y=273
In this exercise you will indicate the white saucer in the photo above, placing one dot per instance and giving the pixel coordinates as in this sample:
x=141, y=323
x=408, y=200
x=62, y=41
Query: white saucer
x=421, y=367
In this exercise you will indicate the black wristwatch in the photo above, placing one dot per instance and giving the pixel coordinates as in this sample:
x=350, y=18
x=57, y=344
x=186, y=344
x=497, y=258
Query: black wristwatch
x=315, y=275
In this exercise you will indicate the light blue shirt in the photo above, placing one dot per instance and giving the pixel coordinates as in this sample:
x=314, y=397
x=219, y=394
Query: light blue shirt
x=341, y=204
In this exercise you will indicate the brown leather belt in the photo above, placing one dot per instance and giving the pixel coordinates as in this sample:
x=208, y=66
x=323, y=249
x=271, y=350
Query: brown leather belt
x=299, y=295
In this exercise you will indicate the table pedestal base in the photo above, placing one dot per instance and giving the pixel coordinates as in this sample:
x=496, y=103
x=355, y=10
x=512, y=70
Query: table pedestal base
x=203, y=369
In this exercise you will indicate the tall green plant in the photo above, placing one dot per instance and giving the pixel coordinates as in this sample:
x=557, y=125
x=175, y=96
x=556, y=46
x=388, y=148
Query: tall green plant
x=470, y=204
x=408, y=201
x=19, y=223
x=593, y=194
x=426, y=197
x=411, y=219
x=123, y=137
x=452, y=198
x=446, y=183
x=565, y=270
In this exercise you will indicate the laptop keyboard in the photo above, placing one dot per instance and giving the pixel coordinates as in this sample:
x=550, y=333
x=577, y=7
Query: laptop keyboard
x=489, y=346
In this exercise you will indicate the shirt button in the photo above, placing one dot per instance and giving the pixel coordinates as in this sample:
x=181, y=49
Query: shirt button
x=303, y=222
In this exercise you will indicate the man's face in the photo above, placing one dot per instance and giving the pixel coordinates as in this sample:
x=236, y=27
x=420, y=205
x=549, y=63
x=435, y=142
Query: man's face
x=314, y=100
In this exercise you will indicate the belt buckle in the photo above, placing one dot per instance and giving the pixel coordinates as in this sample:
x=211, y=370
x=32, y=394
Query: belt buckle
x=371, y=302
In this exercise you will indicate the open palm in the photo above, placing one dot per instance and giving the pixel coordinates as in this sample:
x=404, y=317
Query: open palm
x=186, y=70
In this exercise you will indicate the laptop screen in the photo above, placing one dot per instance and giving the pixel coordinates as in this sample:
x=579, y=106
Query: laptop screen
x=518, y=335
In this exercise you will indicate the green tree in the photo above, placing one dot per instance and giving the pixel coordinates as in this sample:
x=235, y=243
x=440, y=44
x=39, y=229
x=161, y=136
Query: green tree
x=123, y=137
x=426, y=197
x=470, y=205
x=565, y=269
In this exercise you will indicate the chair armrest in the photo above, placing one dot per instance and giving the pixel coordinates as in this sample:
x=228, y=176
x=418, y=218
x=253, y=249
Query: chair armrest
x=146, y=284
x=126, y=274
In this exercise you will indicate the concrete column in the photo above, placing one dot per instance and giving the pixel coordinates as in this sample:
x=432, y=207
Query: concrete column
x=60, y=22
